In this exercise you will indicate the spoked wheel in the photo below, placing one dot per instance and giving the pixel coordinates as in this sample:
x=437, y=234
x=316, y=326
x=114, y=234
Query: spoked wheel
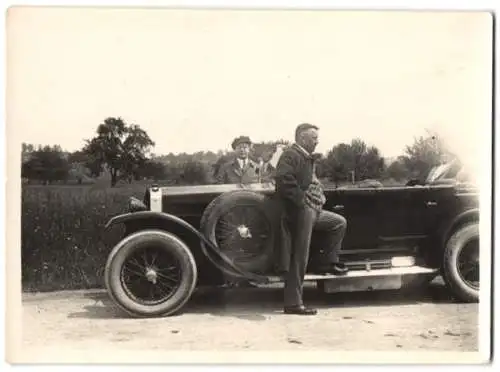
x=151, y=273
x=468, y=264
x=241, y=225
x=461, y=263
x=241, y=232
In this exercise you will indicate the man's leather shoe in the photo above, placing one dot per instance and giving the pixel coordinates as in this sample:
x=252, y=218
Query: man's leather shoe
x=339, y=269
x=299, y=310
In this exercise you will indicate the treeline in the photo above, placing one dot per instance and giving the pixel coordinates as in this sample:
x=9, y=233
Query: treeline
x=121, y=152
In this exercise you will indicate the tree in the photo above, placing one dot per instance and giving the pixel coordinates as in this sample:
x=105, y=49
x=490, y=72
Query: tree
x=223, y=159
x=46, y=164
x=397, y=169
x=118, y=147
x=27, y=150
x=194, y=172
x=424, y=154
x=322, y=168
x=355, y=160
x=84, y=165
x=152, y=169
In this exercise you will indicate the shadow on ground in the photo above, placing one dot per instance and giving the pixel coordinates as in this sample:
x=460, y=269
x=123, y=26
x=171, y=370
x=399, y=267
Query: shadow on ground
x=257, y=303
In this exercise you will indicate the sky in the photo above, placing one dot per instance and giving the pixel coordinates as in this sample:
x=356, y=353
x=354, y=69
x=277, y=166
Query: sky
x=195, y=79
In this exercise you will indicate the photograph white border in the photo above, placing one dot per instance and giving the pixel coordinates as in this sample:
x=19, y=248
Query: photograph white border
x=12, y=288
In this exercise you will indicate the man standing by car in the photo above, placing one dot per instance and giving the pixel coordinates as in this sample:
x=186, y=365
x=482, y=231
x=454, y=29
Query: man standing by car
x=301, y=195
x=241, y=170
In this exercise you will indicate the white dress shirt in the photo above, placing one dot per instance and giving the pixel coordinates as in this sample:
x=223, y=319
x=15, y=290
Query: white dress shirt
x=242, y=162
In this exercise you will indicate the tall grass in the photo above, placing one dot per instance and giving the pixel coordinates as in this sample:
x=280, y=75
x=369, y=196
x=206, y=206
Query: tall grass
x=62, y=240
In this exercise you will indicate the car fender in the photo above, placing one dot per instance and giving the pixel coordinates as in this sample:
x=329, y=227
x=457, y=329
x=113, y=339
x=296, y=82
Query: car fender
x=148, y=215
x=464, y=217
x=230, y=268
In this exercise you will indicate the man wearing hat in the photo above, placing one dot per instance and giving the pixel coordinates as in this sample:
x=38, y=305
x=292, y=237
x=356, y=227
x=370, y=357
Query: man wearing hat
x=241, y=170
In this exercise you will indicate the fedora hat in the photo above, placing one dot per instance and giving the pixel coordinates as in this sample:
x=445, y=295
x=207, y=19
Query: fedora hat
x=239, y=140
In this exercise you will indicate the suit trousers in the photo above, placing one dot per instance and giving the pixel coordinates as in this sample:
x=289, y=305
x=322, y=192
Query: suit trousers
x=302, y=224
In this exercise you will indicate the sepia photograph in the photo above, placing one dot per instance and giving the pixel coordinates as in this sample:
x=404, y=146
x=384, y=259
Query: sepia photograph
x=260, y=185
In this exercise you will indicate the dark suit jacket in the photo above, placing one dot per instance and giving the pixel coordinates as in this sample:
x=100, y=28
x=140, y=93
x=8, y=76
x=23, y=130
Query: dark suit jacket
x=231, y=172
x=294, y=174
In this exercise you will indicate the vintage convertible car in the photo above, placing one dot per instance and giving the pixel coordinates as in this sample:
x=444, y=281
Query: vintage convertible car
x=183, y=237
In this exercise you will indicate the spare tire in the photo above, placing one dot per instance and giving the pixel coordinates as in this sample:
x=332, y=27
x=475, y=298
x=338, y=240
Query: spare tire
x=241, y=224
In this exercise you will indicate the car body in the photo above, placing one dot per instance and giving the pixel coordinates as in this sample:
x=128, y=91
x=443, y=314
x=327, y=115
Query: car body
x=396, y=236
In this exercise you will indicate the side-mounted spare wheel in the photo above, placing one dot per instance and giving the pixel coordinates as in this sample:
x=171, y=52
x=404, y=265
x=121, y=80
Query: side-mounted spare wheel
x=241, y=224
x=461, y=263
x=150, y=273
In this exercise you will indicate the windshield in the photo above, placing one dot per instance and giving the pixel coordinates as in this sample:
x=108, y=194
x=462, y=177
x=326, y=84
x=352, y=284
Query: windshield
x=453, y=170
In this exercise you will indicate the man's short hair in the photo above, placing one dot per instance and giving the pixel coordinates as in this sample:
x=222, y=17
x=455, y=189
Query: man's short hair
x=303, y=127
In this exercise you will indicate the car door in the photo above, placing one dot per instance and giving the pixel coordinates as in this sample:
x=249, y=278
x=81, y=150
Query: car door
x=407, y=213
x=359, y=207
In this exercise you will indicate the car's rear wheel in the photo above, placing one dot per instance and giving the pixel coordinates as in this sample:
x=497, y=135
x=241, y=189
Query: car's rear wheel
x=241, y=225
x=150, y=273
x=461, y=263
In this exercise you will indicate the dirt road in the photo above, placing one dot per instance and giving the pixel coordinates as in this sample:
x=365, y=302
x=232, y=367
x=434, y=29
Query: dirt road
x=252, y=320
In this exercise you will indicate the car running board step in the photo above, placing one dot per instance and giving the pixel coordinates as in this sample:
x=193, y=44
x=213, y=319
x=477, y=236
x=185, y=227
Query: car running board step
x=395, y=271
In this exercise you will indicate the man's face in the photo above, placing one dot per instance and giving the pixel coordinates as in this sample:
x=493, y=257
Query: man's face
x=309, y=139
x=242, y=150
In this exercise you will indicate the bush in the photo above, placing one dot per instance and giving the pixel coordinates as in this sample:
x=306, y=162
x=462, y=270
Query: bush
x=62, y=243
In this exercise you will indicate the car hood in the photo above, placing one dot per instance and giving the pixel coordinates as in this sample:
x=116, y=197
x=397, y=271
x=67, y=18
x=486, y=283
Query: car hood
x=213, y=189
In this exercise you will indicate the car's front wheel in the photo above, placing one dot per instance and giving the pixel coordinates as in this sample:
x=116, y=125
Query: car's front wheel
x=150, y=273
x=461, y=263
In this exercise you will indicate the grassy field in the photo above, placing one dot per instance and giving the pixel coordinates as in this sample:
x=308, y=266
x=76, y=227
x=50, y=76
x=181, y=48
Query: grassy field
x=62, y=242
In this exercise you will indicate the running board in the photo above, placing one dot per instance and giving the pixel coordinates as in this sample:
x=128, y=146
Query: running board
x=365, y=274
